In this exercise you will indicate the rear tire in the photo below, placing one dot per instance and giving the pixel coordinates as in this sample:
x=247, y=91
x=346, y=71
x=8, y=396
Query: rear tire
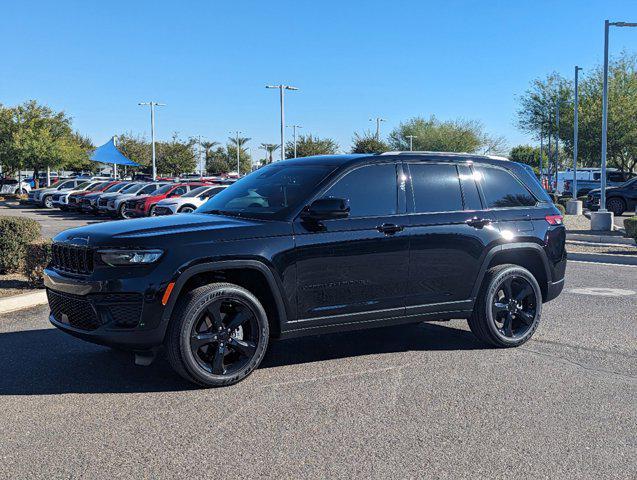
x=508, y=308
x=616, y=205
x=218, y=335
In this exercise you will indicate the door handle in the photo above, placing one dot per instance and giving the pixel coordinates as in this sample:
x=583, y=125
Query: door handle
x=390, y=228
x=476, y=222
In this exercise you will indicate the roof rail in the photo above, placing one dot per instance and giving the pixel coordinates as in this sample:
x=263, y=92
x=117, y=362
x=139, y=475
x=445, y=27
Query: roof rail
x=446, y=154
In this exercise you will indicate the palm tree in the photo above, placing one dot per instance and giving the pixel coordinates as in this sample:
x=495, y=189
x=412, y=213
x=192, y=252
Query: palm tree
x=207, y=146
x=270, y=148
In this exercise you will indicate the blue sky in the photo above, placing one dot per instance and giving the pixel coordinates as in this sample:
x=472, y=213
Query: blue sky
x=209, y=61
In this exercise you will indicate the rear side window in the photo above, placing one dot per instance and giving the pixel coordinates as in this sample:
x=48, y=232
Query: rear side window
x=436, y=188
x=148, y=189
x=372, y=190
x=502, y=190
x=469, y=188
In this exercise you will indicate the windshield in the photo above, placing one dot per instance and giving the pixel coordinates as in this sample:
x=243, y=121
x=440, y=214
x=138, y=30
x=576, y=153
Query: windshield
x=164, y=189
x=132, y=188
x=82, y=185
x=271, y=192
x=115, y=188
x=196, y=191
x=96, y=186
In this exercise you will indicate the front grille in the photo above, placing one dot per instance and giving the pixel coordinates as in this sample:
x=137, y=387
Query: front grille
x=163, y=211
x=72, y=258
x=72, y=200
x=103, y=202
x=121, y=310
x=56, y=197
x=130, y=204
x=73, y=310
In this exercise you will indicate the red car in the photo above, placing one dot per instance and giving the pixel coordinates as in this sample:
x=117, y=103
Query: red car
x=144, y=205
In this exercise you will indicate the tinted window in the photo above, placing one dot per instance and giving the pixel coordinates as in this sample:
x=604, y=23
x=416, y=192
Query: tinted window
x=436, y=188
x=469, y=188
x=148, y=189
x=178, y=191
x=371, y=190
x=502, y=190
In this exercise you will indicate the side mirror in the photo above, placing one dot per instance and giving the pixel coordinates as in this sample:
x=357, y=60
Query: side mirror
x=327, y=209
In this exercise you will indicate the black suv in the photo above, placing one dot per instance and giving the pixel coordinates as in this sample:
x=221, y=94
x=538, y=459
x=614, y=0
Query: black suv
x=619, y=199
x=316, y=245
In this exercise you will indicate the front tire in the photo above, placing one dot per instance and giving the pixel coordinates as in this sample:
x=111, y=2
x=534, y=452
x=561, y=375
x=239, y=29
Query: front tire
x=186, y=209
x=509, y=307
x=218, y=335
x=47, y=201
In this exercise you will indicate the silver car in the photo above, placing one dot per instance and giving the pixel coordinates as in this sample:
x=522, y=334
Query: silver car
x=115, y=205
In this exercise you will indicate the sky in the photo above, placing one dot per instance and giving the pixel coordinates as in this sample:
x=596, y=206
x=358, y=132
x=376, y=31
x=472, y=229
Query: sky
x=209, y=62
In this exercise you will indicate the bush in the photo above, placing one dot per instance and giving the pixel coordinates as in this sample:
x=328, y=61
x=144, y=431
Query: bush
x=561, y=208
x=554, y=197
x=15, y=234
x=630, y=224
x=38, y=257
x=563, y=201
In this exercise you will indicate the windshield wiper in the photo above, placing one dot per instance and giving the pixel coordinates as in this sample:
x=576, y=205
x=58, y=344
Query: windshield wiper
x=223, y=212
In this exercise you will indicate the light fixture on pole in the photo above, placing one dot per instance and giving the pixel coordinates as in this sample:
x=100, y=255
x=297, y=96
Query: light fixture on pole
x=377, y=120
x=152, y=106
x=282, y=88
x=294, y=127
x=411, y=141
x=607, y=24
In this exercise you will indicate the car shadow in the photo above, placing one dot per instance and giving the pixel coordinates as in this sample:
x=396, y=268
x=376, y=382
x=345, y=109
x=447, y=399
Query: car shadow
x=47, y=361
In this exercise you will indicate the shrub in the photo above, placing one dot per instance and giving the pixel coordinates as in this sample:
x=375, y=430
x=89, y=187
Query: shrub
x=630, y=224
x=38, y=257
x=561, y=208
x=563, y=201
x=554, y=197
x=15, y=234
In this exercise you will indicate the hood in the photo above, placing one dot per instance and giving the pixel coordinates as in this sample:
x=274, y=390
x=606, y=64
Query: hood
x=598, y=191
x=109, y=195
x=191, y=228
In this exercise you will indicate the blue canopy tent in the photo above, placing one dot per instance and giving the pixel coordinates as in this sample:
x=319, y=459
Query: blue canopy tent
x=108, y=153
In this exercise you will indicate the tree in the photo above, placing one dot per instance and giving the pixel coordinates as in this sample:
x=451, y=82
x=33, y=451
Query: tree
x=308, y=145
x=528, y=155
x=176, y=156
x=368, y=143
x=441, y=136
x=137, y=149
x=269, y=148
x=224, y=159
x=538, y=105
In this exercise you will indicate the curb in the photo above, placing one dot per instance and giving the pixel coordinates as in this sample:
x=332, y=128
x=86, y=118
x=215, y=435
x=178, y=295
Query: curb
x=603, y=258
x=583, y=237
x=25, y=300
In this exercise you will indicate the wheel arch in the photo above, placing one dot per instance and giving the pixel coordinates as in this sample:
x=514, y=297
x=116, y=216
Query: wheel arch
x=181, y=207
x=253, y=275
x=527, y=255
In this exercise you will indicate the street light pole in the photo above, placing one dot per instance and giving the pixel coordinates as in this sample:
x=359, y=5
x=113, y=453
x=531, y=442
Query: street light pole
x=411, y=141
x=603, y=221
x=575, y=131
x=377, y=120
x=557, y=143
x=152, y=131
x=237, y=132
x=282, y=88
x=294, y=127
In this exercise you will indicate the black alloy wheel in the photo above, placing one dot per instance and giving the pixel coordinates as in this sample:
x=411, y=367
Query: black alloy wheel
x=225, y=337
x=217, y=335
x=514, y=307
x=508, y=308
x=616, y=205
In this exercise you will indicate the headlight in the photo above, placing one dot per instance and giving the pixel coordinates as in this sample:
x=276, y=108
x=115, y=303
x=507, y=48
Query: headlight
x=129, y=257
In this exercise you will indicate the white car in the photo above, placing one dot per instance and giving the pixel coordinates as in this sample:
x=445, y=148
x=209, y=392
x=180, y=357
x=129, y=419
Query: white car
x=188, y=202
x=115, y=204
x=44, y=196
x=61, y=199
x=11, y=185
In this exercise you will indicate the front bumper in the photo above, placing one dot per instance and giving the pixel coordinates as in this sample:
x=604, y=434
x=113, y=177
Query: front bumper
x=122, y=313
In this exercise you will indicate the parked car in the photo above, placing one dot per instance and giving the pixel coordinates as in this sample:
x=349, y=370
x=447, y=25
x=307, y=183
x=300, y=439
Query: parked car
x=589, y=179
x=44, y=196
x=88, y=203
x=73, y=202
x=188, y=202
x=53, y=177
x=618, y=199
x=13, y=186
x=316, y=245
x=61, y=199
x=144, y=206
x=116, y=207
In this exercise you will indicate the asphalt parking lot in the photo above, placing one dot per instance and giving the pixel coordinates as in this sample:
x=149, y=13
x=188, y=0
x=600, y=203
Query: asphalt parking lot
x=53, y=221
x=423, y=401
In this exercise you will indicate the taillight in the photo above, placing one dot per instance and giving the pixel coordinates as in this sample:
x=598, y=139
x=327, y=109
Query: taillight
x=554, y=219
